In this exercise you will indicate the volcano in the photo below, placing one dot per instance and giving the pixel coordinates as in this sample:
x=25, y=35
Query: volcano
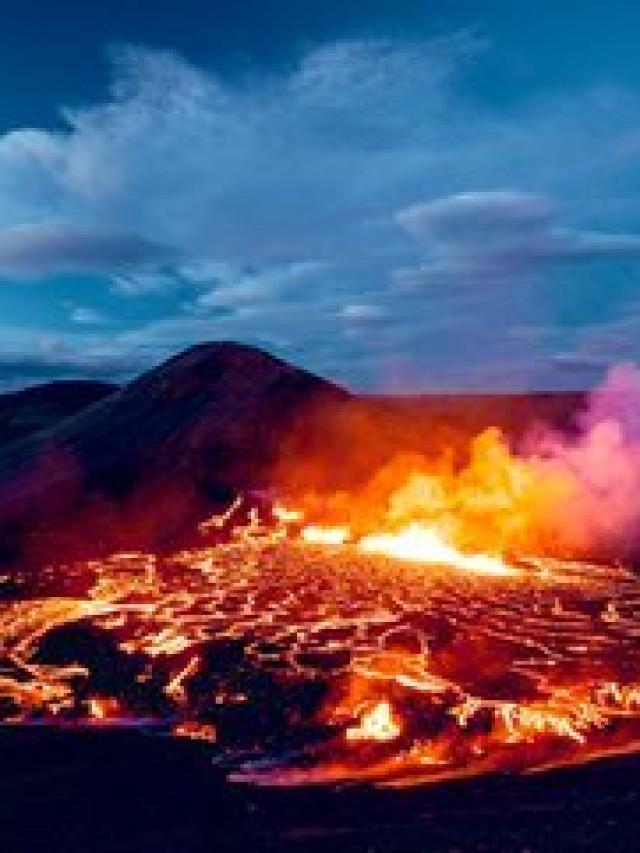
x=100, y=467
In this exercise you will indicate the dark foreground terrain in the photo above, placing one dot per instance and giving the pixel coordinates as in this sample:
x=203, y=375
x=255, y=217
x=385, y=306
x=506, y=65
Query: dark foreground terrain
x=126, y=792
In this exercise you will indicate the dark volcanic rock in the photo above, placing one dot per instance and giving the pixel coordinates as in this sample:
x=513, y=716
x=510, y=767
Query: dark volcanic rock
x=43, y=406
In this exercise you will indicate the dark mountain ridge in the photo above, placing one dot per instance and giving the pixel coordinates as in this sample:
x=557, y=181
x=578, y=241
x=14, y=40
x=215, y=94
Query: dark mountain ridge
x=43, y=406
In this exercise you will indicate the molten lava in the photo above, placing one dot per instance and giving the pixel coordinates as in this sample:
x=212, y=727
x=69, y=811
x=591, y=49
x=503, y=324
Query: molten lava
x=440, y=620
x=420, y=544
x=416, y=543
x=435, y=663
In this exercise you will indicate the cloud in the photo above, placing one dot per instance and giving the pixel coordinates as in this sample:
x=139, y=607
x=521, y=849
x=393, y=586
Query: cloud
x=362, y=311
x=143, y=282
x=236, y=287
x=39, y=250
x=265, y=211
x=474, y=217
x=281, y=168
x=84, y=315
x=498, y=236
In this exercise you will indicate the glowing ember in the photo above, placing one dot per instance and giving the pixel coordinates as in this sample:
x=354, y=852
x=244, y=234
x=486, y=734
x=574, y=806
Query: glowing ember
x=285, y=515
x=318, y=535
x=103, y=708
x=196, y=731
x=377, y=724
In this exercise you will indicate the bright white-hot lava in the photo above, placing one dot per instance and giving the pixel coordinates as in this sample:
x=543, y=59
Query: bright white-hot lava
x=319, y=535
x=415, y=543
x=420, y=544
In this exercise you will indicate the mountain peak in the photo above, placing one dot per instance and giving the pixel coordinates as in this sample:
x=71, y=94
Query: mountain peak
x=227, y=369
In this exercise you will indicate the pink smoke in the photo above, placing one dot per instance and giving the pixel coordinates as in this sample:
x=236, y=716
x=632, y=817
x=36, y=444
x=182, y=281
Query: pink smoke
x=600, y=513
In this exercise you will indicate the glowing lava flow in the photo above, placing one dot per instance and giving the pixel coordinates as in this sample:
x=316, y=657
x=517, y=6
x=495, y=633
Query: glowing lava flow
x=468, y=667
x=415, y=543
x=420, y=544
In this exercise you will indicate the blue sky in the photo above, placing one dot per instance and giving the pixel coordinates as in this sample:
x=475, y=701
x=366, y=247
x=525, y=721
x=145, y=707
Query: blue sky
x=401, y=196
